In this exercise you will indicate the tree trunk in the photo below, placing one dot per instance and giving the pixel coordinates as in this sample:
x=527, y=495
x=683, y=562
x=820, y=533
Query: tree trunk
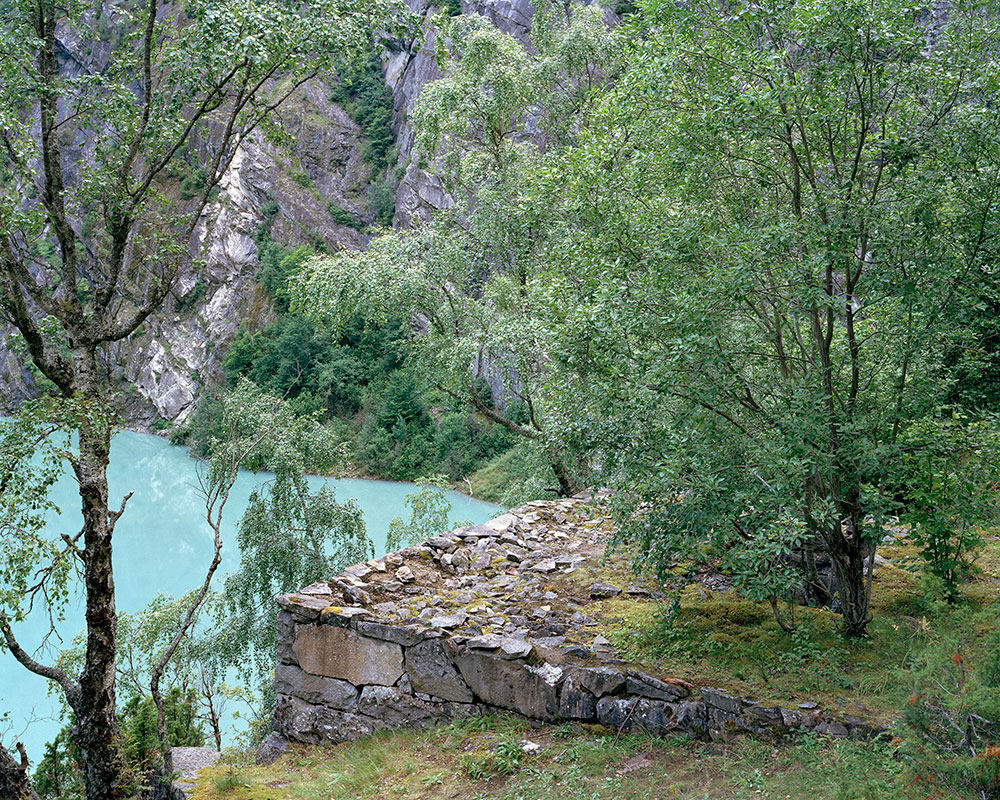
x=14, y=782
x=96, y=733
x=853, y=587
x=567, y=487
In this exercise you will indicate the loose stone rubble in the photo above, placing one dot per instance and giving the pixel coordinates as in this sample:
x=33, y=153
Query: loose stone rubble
x=478, y=619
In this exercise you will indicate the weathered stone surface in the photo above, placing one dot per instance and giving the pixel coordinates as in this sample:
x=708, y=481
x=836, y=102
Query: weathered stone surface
x=273, y=747
x=646, y=685
x=721, y=700
x=315, y=689
x=509, y=684
x=188, y=762
x=404, y=635
x=764, y=716
x=515, y=648
x=576, y=702
x=398, y=710
x=342, y=615
x=342, y=653
x=449, y=620
x=790, y=717
x=431, y=672
x=655, y=716
x=299, y=721
x=304, y=606
x=405, y=575
x=835, y=729
x=601, y=591
x=692, y=716
x=286, y=635
x=499, y=524
x=599, y=681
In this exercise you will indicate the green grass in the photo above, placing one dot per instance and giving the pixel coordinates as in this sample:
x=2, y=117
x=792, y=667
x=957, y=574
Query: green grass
x=719, y=639
x=474, y=760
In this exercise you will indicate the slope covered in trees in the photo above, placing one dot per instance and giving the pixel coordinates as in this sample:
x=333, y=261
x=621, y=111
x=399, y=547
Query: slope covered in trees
x=737, y=263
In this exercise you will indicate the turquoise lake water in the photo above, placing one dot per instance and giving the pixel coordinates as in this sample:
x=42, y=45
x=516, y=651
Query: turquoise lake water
x=163, y=545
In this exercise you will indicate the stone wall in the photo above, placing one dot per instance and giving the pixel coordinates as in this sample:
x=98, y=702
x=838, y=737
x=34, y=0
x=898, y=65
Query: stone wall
x=490, y=617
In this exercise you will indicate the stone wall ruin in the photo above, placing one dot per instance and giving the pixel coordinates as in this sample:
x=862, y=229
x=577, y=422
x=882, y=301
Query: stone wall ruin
x=483, y=618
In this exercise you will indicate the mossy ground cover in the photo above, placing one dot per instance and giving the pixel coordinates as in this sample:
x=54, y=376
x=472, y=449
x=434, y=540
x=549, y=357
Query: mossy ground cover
x=716, y=638
x=481, y=759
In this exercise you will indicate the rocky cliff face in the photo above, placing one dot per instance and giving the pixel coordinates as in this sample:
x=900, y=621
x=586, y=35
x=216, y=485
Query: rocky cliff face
x=182, y=348
x=161, y=369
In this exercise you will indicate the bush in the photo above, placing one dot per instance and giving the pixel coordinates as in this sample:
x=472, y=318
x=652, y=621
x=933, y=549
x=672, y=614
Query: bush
x=951, y=722
x=344, y=217
x=949, y=473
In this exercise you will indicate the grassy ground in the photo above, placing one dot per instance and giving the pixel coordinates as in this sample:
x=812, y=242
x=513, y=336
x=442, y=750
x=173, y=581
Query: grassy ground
x=481, y=759
x=719, y=639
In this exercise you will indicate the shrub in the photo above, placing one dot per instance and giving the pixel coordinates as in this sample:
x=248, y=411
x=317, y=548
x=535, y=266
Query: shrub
x=949, y=473
x=951, y=721
x=344, y=217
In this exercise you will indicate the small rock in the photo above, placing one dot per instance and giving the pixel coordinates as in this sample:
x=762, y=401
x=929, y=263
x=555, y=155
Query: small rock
x=529, y=747
x=515, y=648
x=448, y=620
x=273, y=747
x=602, y=591
x=404, y=575
x=488, y=642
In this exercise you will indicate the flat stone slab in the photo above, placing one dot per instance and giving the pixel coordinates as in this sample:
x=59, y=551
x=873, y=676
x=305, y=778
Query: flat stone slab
x=341, y=653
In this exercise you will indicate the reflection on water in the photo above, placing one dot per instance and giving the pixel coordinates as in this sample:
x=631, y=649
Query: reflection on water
x=163, y=545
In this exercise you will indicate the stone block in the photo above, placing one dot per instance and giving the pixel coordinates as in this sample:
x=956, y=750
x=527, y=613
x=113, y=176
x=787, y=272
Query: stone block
x=599, y=681
x=510, y=684
x=286, y=635
x=575, y=702
x=342, y=616
x=646, y=685
x=692, y=716
x=395, y=709
x=790, y=718
x=835, y=729
x=765, y=715
x=315, y=689
x=628, y=713
x=404, y=635
x=722, y=701
x=299, y=721
x=305, y=606
x=431, y=672
x=342, y=653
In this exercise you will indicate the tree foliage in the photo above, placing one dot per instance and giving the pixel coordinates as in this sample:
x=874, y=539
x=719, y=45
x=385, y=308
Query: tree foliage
x=721, y=254
x=92, y=237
